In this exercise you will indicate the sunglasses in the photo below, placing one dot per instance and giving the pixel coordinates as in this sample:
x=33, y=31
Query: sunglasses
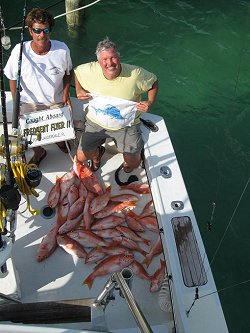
x=38, y=30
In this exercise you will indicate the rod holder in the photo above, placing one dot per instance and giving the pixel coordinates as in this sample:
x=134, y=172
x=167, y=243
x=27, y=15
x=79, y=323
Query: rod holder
x=127, y=275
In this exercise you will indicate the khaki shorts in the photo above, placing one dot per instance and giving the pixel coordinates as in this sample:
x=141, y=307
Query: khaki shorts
x=128, y=140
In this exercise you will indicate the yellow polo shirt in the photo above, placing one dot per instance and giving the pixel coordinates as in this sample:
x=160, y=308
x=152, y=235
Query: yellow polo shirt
x=132, y=82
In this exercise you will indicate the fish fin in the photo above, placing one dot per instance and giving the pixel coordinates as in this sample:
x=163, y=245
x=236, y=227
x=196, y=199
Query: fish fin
x=131, y=203
x=99, y=248
x=113, y=243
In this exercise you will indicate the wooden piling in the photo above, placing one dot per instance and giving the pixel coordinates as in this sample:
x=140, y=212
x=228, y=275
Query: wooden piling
x=74, y=19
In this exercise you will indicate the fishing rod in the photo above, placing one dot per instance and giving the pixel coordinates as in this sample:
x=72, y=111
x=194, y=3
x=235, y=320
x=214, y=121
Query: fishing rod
x=20, y=22
x=9, y=175
x=16, y=104
x=9, y=195
x=8, y=191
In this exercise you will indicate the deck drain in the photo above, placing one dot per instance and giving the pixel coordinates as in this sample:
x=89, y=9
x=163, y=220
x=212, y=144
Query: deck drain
x=47, y=212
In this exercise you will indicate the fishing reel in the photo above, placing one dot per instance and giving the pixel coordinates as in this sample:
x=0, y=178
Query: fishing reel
x=9, y=203
x=26, y=177
x=17, y=145
x=9, y=195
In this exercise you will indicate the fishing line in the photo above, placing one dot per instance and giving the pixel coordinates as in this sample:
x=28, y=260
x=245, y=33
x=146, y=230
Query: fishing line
x=241, y=53
x=230, y=221
x=215, y=254
x=55, y=4
x=226, y=288
x=209, y=223
x=243, y=49
x=13, y=27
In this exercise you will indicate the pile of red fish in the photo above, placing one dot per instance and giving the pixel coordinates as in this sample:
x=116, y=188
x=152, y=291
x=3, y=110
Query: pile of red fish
x=101, y=228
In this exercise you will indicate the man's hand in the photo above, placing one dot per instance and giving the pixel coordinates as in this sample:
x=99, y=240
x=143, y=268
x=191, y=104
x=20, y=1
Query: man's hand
x=143, y=106
x=82, y=95
x=67, y=101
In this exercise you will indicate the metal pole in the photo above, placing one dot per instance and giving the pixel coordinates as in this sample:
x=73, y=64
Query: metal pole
x=134, y=308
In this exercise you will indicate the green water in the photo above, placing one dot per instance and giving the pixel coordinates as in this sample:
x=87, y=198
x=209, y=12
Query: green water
x=200, y=52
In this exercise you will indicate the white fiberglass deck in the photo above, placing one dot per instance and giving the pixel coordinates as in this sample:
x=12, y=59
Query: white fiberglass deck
x=60, y=276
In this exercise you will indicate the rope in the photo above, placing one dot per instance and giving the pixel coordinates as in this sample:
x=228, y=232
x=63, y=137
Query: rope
x=19, y=171
x=75, y=10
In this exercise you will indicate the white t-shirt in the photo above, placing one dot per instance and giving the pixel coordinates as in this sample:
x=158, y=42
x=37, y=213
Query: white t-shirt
x=41, y=75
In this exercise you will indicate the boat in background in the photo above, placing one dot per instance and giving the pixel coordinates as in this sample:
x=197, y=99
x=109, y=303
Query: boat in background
x=186, y=301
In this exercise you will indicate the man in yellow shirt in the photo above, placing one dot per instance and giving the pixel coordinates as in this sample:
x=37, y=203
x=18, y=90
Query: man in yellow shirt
x=114, y=91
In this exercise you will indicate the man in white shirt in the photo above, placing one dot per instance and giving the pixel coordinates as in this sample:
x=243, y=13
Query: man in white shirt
x=45, y=71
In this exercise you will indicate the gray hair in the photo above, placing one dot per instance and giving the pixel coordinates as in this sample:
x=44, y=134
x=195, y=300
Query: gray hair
x=104, y=45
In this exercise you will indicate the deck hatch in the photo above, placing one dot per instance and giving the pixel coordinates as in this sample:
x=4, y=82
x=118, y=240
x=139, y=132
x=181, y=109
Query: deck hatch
x=193, y=271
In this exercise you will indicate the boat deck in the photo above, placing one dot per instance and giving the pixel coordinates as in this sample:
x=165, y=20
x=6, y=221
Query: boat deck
x=60, y=276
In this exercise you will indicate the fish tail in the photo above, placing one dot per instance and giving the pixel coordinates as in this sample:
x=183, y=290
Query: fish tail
x=146, y=241
x=58, y=178
x=89, y=281
x=108, y=188
x=144, y=253
x=147, y=261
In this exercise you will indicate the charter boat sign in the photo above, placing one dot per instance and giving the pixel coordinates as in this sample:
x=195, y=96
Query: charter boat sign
x=47, y=126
